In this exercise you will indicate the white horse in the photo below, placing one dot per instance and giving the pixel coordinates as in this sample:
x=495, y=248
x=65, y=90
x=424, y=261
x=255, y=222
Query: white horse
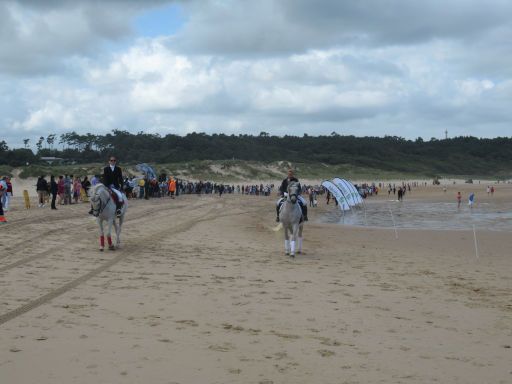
x=104, y=209
x=290, y=216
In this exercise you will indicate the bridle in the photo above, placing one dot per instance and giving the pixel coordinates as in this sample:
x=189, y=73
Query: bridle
x=296, y=194
x=97, y=212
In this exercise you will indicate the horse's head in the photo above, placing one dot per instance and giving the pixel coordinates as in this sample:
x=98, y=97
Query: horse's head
x=97, y=202
x=293, y=191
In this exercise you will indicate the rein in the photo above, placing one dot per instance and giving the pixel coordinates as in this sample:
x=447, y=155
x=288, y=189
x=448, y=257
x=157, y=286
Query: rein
x=102, y=207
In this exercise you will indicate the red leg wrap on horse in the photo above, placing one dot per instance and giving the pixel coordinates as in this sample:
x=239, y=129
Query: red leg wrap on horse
x=102, y=241
x=109, y=240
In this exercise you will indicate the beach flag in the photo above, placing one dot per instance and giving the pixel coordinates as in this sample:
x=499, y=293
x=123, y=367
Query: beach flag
x=336, y=192
x=345, y=190
x=355, y=193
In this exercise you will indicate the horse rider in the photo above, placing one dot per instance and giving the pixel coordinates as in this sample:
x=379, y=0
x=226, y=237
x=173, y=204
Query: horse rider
x=113, y=178
x=283, y=188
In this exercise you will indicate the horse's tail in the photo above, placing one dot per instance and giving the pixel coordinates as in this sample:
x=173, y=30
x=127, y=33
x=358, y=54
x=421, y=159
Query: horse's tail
x=278, y=227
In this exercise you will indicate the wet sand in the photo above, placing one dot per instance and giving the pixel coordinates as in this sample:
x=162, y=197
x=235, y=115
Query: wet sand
x=201, y=292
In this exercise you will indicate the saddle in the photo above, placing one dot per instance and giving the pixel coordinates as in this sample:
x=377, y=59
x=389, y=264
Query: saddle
x=280, y=206
x=115, y=198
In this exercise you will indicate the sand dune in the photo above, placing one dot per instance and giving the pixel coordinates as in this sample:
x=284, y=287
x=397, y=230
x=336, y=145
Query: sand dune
x=201, y=292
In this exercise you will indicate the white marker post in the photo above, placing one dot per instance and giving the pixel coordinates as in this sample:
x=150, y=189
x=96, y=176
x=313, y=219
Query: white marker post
x=476, y=245
x=394, y=225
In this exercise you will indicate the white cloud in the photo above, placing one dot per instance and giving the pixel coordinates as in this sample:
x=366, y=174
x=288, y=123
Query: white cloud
x=51, y=116
x=292, y=67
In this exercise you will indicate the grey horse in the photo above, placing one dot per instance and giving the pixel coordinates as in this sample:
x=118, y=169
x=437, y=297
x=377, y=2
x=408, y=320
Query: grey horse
x=290, y=216
x=104, y=209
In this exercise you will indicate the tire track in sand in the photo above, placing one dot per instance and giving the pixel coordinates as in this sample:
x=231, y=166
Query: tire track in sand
x=181, y=227
x=70, y=228
x=66, y=220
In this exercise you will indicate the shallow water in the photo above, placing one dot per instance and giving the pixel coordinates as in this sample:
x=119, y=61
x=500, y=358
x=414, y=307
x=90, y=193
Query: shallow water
x=426, y=215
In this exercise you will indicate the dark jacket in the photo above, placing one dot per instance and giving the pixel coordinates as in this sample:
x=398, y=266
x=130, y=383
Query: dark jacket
x=114, y=178
x=86, y=184
x=42, y=185
x=284, y=185
x=53, y=187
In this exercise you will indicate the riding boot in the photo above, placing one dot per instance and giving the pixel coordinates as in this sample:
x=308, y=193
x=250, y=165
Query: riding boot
x=90, y=211
x=304, y=212
x=277, y=212
x=118, y=208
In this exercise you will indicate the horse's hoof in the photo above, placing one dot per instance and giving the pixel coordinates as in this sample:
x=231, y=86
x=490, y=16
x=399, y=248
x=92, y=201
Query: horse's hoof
x=287, y=253
x=101, y=249
x=292, y=255
x=299, y=252
x=111, y=248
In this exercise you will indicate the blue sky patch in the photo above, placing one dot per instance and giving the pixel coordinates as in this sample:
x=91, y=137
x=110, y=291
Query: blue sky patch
x=161, y=21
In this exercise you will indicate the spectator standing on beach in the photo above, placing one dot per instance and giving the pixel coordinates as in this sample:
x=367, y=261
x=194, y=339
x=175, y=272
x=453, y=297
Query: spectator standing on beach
x=3, y=189
x=459, y=200
x=67, y=189
x=77, y=188
x=60, y=190
x=400, y=194
x=471, y=200
x=42, y=190
x=86, y=185
x=172, y=187
x=7, y=193
x=141, y=184
x=95, y=180
x=54, y=189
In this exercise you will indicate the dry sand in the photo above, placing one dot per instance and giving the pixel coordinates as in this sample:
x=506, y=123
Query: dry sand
x=201, y=292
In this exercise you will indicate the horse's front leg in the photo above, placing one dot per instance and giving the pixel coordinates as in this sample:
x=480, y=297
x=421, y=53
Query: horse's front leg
x=118, y=227
x=102, y=236
x=109, y=235
x=286, y=240
x=295, y=230
x=299, y=243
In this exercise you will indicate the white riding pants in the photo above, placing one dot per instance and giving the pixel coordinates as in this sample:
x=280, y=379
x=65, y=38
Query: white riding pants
x=118, y=193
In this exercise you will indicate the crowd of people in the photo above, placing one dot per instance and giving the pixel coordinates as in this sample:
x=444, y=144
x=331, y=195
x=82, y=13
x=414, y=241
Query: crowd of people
x=146, y=187
x=69, y=189
x=65, y=190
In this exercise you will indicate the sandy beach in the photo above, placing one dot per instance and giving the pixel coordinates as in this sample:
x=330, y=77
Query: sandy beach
x=201, y=292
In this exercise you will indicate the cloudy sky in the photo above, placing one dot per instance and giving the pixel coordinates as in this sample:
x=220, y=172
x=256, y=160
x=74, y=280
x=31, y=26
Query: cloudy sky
x=368, y=68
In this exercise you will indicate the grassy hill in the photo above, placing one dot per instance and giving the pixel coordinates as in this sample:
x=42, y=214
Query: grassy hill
x=240, y=170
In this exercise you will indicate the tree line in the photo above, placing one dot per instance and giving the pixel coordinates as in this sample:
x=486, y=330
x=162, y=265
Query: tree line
x=455, y=156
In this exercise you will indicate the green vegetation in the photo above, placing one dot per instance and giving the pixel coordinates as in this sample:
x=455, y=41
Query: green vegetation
x=213, y=156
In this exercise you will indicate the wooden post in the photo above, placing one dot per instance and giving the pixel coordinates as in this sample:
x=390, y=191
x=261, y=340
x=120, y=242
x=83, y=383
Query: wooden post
x=27, y=199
